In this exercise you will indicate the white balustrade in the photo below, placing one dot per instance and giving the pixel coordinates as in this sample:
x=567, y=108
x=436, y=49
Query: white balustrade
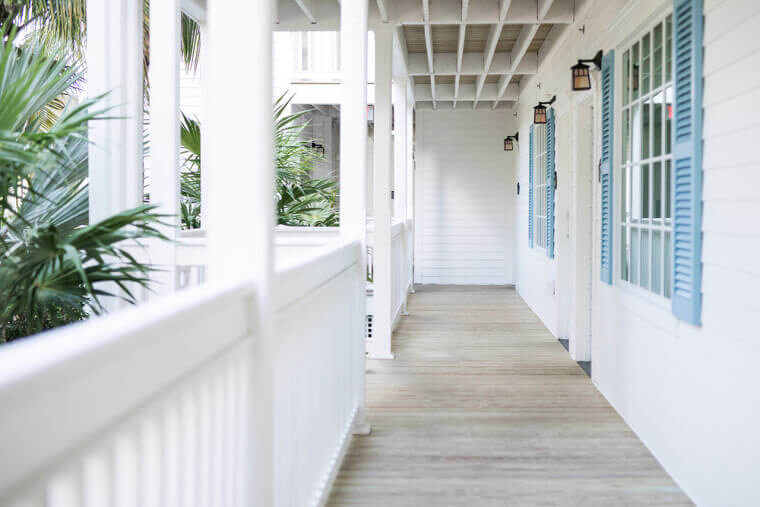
x=152, y=405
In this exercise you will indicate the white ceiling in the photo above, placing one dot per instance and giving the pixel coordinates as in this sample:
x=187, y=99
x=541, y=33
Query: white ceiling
x=461, y=53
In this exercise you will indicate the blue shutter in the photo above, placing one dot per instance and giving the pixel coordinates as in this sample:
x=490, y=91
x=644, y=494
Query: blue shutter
x=550, y=137
x=530, y=190
x=605, y=168
x=687, y=160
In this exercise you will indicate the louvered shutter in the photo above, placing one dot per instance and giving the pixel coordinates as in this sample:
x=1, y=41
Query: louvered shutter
x=550, y=157
x=605, y=169
x=687, y=160
x=530, y=190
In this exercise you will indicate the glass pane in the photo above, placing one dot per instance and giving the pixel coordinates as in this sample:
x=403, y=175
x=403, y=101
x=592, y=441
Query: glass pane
x=626, y=193
x=636, y=194
x=636, y=132
x=666, y=265
x=668, y=120
x=645, y=200
x=644, y=259
x=626, y=158
x=634, y=264
x=668, y=203
x=645, y=130
x=626, y=76
x=657, y=262
x=646, y=63
x=657, y=57
x=624, y=253
x=669, y=48
x=657, y=114
x=636, y=72
x=657, y=203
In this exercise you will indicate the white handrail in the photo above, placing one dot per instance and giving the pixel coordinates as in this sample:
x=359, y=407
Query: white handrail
x=61, y=389
x=151, y=404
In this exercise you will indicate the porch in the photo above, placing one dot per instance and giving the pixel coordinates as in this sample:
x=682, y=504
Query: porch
x=283, y=366
x=483, y=406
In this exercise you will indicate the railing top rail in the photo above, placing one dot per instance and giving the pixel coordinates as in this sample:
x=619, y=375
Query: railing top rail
x=87, y=376
x=301, y=277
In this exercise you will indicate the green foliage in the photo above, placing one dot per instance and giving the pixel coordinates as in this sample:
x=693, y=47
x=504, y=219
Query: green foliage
x=54, y=267
x=190, y=177
x=300, y=199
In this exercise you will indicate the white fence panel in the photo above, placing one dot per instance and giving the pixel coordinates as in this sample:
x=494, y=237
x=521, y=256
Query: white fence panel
x=150, y=406
x=146, y=407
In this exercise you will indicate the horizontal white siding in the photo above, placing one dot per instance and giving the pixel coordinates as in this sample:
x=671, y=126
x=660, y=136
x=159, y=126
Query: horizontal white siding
x=688, y=392
x=464, y=179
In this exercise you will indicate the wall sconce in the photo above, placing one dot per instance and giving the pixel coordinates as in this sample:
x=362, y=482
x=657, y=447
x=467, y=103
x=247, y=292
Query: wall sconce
x=319, y=148
x=510, y=140
x=539, y=112
x=581, y=77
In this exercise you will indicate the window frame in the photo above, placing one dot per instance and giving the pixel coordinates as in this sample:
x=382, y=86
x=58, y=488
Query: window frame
x=540, y=183
x=619, y=220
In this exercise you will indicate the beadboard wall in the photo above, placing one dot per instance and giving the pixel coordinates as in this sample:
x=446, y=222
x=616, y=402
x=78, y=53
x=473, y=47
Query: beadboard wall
x=690, y=393
x=464, y=232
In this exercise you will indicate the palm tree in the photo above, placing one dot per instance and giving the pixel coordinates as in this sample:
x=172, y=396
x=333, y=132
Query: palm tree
x=53, y=265
x=63, y=24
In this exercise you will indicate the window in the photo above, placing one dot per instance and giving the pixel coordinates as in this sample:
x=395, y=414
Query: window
x=317, y=52
x=646, y=114
x=539, y=184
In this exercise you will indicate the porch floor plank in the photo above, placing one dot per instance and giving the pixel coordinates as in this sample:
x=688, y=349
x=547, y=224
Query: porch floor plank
x=483, y=406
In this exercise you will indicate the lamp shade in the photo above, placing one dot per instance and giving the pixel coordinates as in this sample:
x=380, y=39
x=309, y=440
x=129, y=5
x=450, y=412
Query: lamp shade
x=581, y=78
x=508, y=144
x=539, y=114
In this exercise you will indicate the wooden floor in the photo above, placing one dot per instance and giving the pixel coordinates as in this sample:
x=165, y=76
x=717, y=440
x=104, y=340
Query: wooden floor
x=482, y=406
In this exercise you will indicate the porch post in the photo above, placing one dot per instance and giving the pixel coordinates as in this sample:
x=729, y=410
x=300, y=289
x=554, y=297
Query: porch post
x=410, y=181
x=383, y=165
x=239, y=162
x=164, y=128
x=399, y=149
x=115, y=68
x=399, y=180
x=353, y=166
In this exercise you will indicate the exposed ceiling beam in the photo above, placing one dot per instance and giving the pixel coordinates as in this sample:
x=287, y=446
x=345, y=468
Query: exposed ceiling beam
x=382, y=9
x=429, y=46
x=307, y=7
x=518, y=52
x=460, y=48
x=493, y=40
x=408, y=12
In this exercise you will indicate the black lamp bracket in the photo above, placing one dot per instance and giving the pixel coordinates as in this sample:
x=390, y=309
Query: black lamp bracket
x=549, y=103
x=596, y=60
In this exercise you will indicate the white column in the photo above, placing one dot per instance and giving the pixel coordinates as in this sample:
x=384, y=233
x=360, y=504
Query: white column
x=353, y=163
x=382, y=167
x=164, y=130
x=399, y=149
x=410, y=163
x=239, y=162
x=115, y=68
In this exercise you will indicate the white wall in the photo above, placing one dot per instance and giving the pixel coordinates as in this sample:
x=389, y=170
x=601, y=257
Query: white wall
x=690, y=393
x=464, y=198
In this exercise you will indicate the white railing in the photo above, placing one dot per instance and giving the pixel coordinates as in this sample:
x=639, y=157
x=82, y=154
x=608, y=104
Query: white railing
x=401, y=266
x=152, y=406
x=398, y=271
x=290, y=243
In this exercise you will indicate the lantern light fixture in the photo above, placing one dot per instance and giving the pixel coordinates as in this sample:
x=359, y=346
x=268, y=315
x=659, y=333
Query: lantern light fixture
x=581, y=77
x=539, y=112
x=510, y=140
